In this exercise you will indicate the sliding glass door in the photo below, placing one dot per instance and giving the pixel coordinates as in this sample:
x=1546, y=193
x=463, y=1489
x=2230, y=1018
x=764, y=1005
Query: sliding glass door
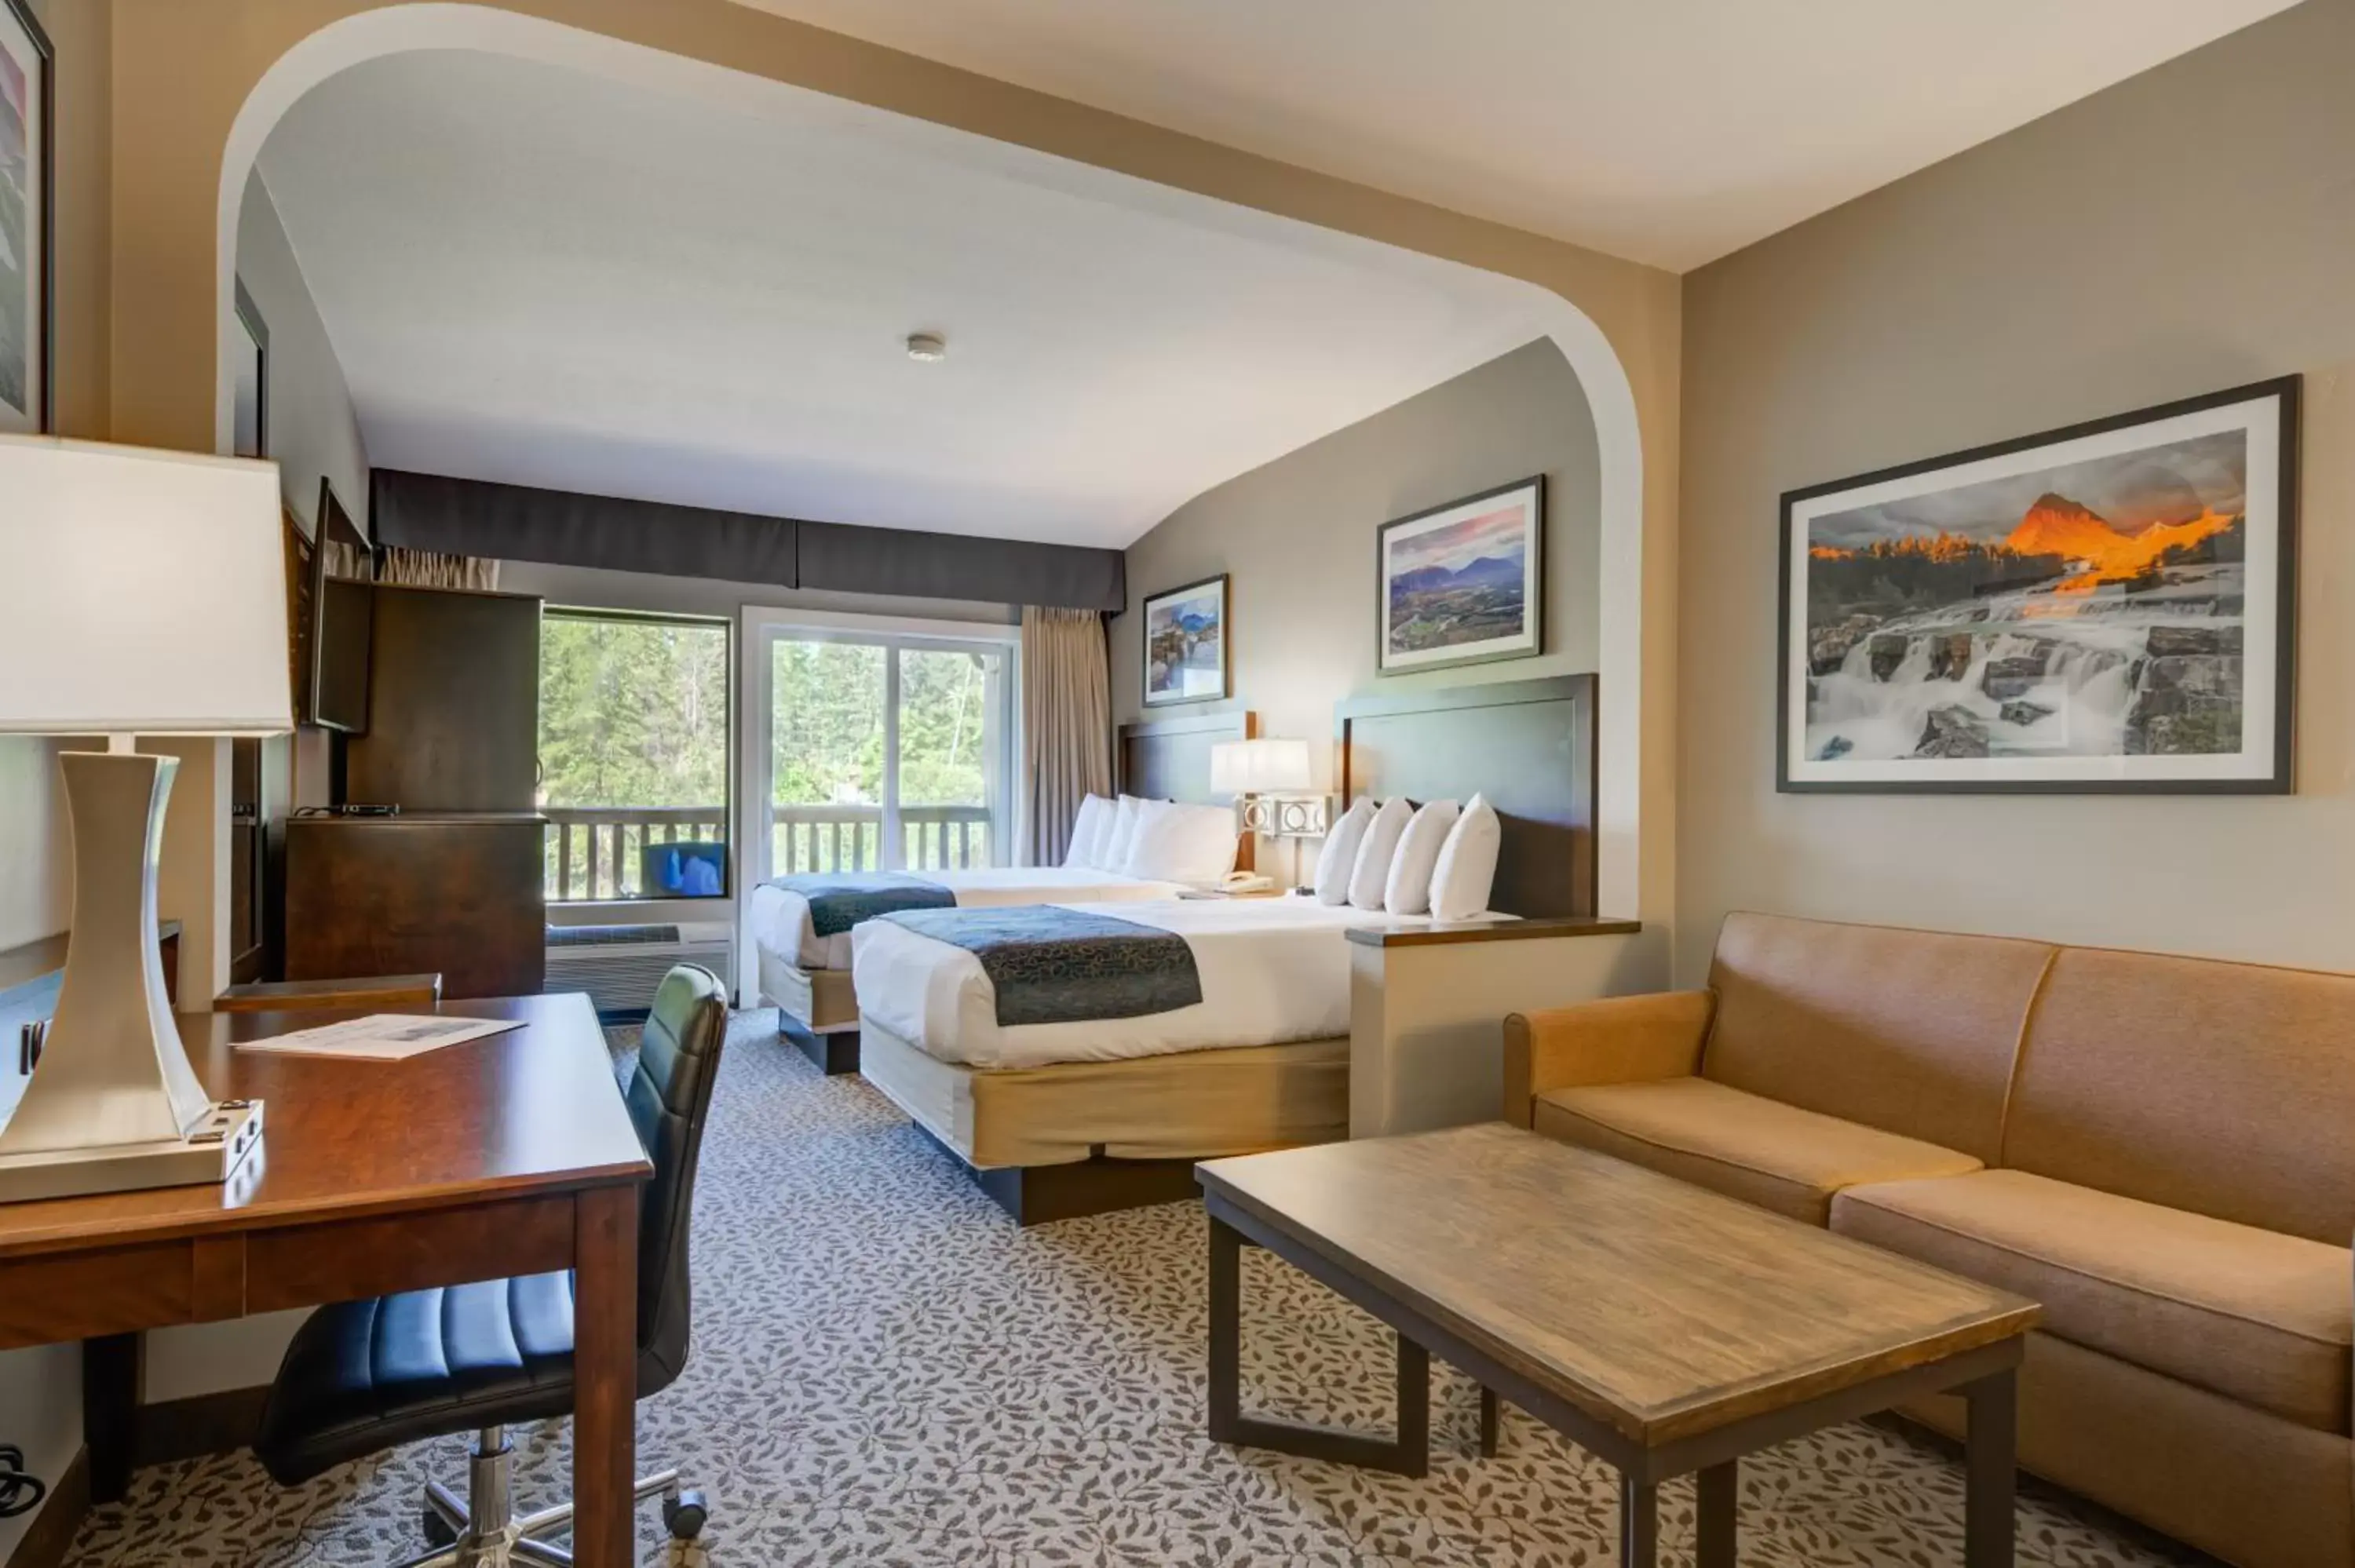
x=885, y=747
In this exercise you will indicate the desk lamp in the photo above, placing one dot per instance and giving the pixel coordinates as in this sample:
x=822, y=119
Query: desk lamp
x=147, y=596
x=1269, y=779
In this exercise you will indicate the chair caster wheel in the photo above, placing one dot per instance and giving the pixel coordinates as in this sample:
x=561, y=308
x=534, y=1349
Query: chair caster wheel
x=685, y=1514
x=438, y=1534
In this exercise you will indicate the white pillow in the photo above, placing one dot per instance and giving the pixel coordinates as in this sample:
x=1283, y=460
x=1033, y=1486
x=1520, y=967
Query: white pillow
x=1408, y=891
x=1339, y=858
x=1193, y=844
x=1461, y=882
x=1121, y=836
x=1089, y=831
x=1373, y=872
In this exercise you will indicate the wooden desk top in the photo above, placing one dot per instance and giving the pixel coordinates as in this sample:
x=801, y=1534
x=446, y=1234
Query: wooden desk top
x=1657, y=1307
x=532, y=1109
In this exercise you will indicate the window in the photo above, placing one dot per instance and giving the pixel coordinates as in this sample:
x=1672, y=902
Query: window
x=634, y=755
x=887, y=750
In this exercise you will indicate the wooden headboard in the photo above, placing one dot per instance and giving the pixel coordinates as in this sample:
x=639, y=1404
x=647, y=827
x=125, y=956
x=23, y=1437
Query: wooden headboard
x=1528, y=745
x=1169, y=759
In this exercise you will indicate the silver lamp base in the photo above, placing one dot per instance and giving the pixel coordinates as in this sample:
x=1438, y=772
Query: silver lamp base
x=217, y=1152
x=114, y=1104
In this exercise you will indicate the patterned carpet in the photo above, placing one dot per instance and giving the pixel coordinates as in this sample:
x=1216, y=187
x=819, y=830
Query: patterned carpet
x=886, y=1372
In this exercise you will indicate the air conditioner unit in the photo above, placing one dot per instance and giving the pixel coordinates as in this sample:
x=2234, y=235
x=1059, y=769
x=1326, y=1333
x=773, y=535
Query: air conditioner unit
x=620, y=966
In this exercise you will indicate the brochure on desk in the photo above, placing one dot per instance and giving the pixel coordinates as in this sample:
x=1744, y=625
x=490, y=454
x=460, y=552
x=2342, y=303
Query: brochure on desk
x=382, y=1036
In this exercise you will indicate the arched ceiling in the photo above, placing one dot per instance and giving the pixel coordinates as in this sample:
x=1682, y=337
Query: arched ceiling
x=534, y=275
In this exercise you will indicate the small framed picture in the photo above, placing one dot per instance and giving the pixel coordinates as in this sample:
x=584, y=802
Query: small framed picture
x=27, y=166
x=2109, y=607
x=1463, y=583
x=1188, y=652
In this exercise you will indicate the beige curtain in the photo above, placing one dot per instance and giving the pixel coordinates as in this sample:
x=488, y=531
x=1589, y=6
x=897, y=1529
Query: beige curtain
x=1066, y=726
x=431, y=568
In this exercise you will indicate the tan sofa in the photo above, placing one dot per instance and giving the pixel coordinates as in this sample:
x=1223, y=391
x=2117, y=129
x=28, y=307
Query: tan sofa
x=2160, y=1149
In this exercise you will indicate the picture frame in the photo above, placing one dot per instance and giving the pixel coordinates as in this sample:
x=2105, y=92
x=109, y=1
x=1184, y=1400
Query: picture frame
x=1462, y=583
x=1188, y=645
x=28, y=221
x=2106, y=608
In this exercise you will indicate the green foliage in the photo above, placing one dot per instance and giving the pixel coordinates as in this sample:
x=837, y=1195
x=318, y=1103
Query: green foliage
x=632, y=712
x=943, y=716
x=830, y=723
x=829, y=699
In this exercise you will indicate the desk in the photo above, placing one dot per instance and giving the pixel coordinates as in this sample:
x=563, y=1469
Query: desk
x=505, y=1156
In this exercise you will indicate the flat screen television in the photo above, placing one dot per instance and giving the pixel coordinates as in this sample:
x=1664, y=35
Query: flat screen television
x=343, y=610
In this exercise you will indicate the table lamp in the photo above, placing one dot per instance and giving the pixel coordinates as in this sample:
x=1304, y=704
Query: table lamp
x=148, y=598
x=1269, y=779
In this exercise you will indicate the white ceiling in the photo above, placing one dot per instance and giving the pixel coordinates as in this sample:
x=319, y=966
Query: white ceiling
x=545, y=277
x=1665, y=130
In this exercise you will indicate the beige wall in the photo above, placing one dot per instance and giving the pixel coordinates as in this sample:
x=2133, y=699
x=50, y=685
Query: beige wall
x=35, y=881
x=2190, y=229
x=36, y=877
x=1297, y=538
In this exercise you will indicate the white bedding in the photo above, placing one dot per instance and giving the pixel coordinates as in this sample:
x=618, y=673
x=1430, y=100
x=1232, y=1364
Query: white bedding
x=781, y=920
x=1273, y=971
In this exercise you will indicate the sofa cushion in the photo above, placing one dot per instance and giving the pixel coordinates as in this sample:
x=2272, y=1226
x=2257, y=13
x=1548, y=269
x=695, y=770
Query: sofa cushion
x=1911, y=1031
x=2251, y=1314
x=1772, y=1155
x=2223, y=1089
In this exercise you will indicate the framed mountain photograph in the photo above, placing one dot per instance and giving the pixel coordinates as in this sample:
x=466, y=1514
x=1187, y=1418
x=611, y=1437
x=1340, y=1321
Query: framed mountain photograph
x=1186, y=644
x=1463, y=583
x=2109, y=607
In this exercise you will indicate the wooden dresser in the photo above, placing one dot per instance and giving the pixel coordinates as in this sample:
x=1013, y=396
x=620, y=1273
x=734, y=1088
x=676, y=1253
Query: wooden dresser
x=452, y=892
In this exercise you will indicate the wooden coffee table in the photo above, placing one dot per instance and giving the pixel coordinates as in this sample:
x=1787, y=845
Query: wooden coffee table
x=1665, y=1328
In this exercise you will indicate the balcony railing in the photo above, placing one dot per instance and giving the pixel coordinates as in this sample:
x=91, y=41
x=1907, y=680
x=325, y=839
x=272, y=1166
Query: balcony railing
x=596, y=851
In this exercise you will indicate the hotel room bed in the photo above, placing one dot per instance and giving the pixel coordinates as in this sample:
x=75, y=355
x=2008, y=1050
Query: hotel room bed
x=1269, y=970
x=1261, y=1062
x=1057, y=1111
x=808, y=977
x=782, y=925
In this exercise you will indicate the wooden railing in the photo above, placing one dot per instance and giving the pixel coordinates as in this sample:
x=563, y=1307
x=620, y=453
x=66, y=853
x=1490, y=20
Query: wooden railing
x=850, y=838
x=594, y=852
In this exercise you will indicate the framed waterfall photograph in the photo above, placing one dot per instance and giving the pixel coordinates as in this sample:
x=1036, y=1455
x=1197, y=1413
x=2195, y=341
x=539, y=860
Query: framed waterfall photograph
x=1187, y=650
x=2109, y=607
x=1463, y=583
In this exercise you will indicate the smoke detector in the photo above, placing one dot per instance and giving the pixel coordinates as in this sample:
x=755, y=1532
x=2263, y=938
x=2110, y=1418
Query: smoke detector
x=927, y=346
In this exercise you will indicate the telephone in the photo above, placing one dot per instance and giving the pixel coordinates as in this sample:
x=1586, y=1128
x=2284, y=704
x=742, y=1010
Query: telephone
x=1240, y=881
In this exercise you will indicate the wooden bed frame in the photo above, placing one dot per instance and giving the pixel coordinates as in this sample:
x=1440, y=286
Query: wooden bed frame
x=1163, y=760
x=1528, y=745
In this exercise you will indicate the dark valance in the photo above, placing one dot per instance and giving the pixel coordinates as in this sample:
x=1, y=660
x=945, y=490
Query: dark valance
x=519, y=522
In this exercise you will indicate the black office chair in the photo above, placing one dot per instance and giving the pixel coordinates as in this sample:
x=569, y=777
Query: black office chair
x=367, y=1376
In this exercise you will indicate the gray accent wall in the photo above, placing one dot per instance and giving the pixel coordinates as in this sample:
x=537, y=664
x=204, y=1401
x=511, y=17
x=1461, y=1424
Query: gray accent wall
x=1296, y=537
x=2190, y=229
x=313, y=428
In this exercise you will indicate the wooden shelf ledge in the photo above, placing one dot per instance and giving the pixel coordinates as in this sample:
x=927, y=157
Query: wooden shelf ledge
x=1442, y=933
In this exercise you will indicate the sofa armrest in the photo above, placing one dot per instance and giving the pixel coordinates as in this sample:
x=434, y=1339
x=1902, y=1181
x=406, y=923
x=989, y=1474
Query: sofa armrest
x=1619, y=1040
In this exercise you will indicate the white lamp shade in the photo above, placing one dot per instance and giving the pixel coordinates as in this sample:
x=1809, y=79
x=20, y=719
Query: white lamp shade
x=148, y=592
x=1259, y=767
